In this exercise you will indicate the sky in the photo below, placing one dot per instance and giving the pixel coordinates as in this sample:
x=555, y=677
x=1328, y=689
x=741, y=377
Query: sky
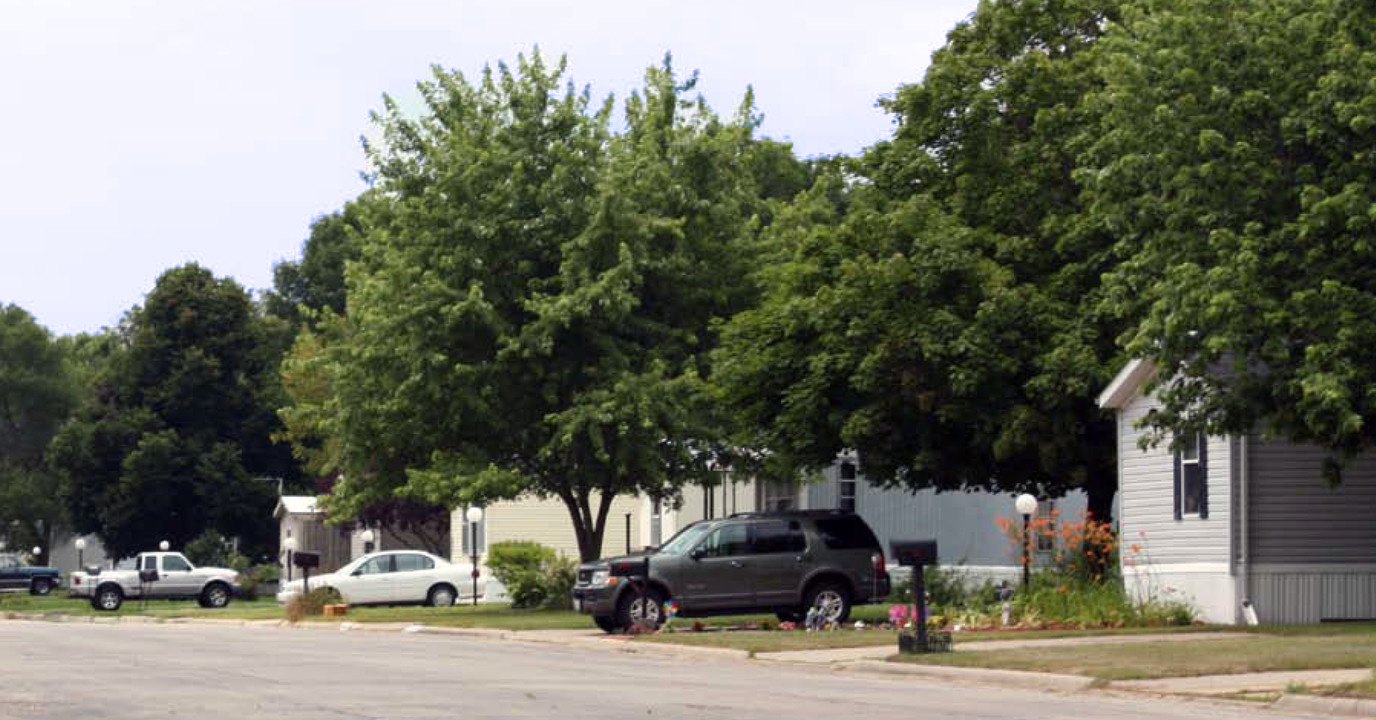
x=139, y=136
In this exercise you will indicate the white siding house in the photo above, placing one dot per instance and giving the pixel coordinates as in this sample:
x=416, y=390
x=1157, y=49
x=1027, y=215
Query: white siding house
x=1263, y=527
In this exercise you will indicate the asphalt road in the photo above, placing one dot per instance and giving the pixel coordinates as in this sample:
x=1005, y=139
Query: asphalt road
x=207, y=672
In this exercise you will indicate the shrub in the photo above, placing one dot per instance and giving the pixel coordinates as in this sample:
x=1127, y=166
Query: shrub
x=533, y=575
x=251, y=578
x=312, y=603
x=212, y=549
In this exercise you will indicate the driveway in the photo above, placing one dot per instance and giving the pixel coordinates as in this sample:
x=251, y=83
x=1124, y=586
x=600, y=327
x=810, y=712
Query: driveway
x=210, y=672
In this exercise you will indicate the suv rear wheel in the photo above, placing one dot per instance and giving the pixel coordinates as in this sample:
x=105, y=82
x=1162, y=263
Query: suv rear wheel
x=831, y=599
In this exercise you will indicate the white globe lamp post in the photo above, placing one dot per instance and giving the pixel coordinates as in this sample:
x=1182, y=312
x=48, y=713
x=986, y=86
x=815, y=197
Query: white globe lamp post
x=475, y=516
x=80, y=552
x=1026, y=506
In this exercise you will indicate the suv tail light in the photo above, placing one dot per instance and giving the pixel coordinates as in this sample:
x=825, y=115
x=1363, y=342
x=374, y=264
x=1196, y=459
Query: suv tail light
x=877, y=560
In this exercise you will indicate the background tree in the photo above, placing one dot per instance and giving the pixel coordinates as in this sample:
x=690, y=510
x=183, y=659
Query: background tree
x=530, y=312
x=1235, y=167
x=933, y=305
x=176, y=438
x=303, y=288
x=37, y=394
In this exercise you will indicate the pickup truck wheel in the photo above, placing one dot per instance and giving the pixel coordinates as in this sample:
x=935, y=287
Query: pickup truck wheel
x=216, y=595
x=441, y=596
x=41, y=586
x=108, y=599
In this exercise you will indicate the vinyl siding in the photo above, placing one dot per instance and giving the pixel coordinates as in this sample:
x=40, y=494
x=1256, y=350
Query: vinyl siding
x=547, y=522
x=1295, y=518
x=964, y=524
x=1150, y=533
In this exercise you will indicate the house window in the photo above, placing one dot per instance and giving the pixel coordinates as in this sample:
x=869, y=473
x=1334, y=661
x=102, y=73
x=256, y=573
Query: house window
x=1046, y=526
x=1191, y=486
x=778, y=495
x=846, y=488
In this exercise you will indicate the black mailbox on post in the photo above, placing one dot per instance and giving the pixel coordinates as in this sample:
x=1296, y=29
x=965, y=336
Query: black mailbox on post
x=148, y=576
x=306, y=559
x=918, y=554
x=910, y=553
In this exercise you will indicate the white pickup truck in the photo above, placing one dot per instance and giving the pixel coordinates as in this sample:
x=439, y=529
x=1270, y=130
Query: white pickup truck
x=158, y=576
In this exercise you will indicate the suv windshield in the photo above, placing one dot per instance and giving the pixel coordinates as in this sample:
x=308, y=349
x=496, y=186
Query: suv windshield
x=684, y=540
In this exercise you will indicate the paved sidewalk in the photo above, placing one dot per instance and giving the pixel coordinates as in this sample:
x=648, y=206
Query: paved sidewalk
x=879, y=652
x=1248, y=682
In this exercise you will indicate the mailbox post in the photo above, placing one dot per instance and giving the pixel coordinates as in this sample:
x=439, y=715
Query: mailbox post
x=637, y=573
x=918, y=554
x=306, y=561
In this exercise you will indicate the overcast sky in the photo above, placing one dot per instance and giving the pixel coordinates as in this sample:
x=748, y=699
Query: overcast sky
x=138, y=136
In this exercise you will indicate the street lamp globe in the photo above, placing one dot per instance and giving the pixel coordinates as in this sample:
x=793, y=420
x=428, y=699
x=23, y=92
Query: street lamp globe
x=37, y=550
x=289, y=544
x=2, y=546
x=474, y=514
x=368, y=536
x=1026, y=504
x=164, y=546
x=80, y=543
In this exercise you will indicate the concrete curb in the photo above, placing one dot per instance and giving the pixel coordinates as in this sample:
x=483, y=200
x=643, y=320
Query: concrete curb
x=981, y=676
x=1354, y=707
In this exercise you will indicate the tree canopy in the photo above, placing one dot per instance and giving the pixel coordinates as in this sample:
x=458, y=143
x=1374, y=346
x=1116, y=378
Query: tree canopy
x=531, y=310
x=176, y=438
x=1234, y=169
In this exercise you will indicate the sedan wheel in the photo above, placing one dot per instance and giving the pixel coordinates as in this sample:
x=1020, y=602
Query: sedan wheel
x=41, y=587
x=442, y=596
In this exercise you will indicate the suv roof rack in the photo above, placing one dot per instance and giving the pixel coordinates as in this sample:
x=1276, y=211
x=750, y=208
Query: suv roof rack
x=834, y=512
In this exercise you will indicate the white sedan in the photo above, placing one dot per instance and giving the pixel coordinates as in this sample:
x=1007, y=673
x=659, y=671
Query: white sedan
x=396, y=577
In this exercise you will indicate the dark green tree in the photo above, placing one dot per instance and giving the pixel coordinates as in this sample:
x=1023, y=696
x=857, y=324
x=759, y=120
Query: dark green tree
x=303, y=288
x=1235, y=168
x=176, y=438
x=37, y=394
x=933, y=305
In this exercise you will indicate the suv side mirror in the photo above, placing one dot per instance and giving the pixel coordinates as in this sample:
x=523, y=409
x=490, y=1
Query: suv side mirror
x=697, y=553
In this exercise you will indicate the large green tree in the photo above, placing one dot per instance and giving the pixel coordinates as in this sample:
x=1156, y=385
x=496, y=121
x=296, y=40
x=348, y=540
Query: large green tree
x=531, y=311
x=176, y=437
x=1235, y=167
x=933, y=306
x=37, y=394
x=302, y=289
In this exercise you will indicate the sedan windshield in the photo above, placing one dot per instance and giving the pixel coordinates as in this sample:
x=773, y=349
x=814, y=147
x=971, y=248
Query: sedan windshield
x=685, y=539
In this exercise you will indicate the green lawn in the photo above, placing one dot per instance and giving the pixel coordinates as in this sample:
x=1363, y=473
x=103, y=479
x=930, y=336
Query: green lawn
x=1300, y=648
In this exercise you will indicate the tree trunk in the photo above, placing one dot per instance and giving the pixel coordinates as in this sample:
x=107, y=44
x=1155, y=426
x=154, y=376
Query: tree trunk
x=588, y=526
x=1100, y=491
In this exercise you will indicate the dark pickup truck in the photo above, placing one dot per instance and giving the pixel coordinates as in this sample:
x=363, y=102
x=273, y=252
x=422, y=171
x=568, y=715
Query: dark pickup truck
x=15, y=576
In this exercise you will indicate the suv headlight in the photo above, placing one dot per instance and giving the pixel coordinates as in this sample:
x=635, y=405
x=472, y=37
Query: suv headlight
x=600, y=578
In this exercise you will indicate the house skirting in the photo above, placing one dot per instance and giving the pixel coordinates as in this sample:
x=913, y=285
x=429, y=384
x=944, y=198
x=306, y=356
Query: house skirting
x=1208, y=587
x=1313, y=593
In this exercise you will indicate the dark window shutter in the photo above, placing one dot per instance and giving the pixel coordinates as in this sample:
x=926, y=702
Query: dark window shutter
x=1176, y=495
x=1203, y=477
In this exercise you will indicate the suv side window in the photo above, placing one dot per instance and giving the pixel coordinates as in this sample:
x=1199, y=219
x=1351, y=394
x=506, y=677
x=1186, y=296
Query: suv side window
x=779, y=537
x=847, y=532
x=726, y=541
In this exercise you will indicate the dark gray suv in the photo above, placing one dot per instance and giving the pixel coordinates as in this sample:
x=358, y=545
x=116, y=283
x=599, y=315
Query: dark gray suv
x=783, y=562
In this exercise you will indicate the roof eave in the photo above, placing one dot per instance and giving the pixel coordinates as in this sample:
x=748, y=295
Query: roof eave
x=1127, y=383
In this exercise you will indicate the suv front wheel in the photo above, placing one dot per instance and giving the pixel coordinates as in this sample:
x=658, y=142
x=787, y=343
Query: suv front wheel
x=831, y=599
x=643, y=612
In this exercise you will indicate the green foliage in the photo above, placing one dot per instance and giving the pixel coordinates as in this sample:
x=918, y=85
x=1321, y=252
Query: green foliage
x=530, y=312
x=212, y=549
x=176, y=438
x=38, y=390
x=1233, y=165
x=303, y=289
x=1062, y=599
x=534, y=575
x=930, y=305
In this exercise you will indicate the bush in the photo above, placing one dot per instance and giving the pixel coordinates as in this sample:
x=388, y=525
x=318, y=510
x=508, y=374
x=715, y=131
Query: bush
x=312, y=603
x=211, y=549
x=533, y=575
x=250, y=578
